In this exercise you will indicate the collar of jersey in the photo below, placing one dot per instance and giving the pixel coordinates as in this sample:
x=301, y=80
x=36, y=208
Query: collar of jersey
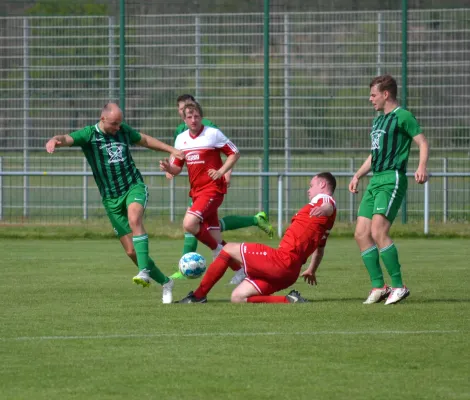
x=195, y=136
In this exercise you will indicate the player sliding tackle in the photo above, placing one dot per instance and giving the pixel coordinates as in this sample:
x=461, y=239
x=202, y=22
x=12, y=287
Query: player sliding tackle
x=202, y=146
x=270, y=270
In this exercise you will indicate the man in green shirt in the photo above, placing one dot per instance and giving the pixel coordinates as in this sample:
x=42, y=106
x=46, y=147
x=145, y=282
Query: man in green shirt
x=229, y=222
x=391, y=136
x=106, y=146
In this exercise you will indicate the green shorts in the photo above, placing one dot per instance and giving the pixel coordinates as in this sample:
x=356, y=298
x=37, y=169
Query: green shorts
x=116, y=208
x=384, y=195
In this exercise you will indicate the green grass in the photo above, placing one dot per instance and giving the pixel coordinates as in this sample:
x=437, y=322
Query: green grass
x=73, y=326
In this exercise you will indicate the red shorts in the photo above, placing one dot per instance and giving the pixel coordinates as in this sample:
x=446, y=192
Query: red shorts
x=205, y=206
x=268, y=270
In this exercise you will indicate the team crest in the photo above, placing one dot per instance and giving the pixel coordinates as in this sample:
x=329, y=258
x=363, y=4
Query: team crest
x=375, y=136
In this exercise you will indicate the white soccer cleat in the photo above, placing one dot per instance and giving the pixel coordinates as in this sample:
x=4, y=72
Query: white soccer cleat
x=376, y=295
x=167, y=295
x=142, y=278
x=238, y=277
x=397, y=295
x=216, y=252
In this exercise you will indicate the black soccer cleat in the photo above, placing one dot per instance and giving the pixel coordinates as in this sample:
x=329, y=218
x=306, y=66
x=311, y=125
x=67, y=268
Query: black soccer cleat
x=190, y=298
x=295, y=297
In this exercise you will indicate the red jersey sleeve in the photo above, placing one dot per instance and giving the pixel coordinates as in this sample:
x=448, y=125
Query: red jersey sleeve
x=176, y=161
x=224, y=144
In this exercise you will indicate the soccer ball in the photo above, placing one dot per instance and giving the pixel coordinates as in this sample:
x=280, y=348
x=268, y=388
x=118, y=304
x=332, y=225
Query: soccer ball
x=192, y=265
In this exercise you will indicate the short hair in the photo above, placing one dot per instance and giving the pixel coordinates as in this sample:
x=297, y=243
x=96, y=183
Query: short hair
x=329, y=178
x=185, y=97
x=194, y=105
x=385, y=83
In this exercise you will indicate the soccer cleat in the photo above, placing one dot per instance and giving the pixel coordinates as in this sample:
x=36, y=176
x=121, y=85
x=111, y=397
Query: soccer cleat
x=177, y=275
x=190, y=298
x=263, y=223
x=167, y=294
x=238, y=277
x=295, y=297
x=376, y=295
x=142, y=278
x=397, y=295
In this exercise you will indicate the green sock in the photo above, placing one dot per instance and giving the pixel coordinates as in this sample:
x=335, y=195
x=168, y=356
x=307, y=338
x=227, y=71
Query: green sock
x=370, y=257
x=389, y=256
x=141, y=246
x=232, y=222
x=190, y=243
x=155, y=273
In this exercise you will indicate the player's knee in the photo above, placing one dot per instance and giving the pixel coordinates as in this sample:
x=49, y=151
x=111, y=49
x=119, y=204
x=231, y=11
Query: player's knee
x=361, y=234
x=237, y=298
x=191, y=226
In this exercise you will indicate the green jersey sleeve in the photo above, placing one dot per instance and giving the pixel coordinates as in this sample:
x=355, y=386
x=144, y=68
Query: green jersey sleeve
x=82, y=136
x=133, y=134
x=409, y=124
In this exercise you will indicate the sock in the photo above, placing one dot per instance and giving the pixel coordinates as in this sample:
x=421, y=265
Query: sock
x=190, y=243
x=389, y=256
x=213, y=274
x=232, y=222
x=234, y=265
x=267, y=299
x=141, y=246
x=155, y=273
x=205, y=237
x=370, y=257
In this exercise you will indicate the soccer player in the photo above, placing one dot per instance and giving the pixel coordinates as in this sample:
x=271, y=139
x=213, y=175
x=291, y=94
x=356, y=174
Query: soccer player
x=270, y=270
x=106, y=146
x=229, y=222
x=202, y=147
x=391, y=136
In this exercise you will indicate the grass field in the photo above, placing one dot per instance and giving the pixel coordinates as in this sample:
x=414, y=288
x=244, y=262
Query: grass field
x=73, y=326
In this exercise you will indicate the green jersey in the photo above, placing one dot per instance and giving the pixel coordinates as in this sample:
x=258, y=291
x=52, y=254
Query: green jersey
x=110, y=158
x=183, y=127
x=391, y=137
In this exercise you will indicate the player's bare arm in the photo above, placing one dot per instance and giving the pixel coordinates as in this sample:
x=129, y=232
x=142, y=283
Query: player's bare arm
x=228, y=176
x=169, y=168
x=228, y=165
x=154, y=144
x=421, y=174
x=362, y=171
x=309, y=274
x=59, y=141
x=325, y=210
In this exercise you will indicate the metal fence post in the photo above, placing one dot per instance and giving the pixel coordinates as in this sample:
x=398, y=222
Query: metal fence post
x=279, y=205
x=351, y=197
x=260, y=186
x=426, y=207
x=25, y=114
x=172, y=199
x=286, y=110
x=1, y=190
x=85, y=190
x=111, y=56
x=197, y=39
x=444, y=189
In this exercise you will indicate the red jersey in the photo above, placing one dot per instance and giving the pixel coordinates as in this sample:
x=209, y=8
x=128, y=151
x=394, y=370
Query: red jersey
x=202, y=153
x=306, y=233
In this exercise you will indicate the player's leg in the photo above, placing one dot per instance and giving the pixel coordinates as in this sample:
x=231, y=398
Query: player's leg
x=387, y=204
x=368, y=248
x=232, y=222
x=230, y=254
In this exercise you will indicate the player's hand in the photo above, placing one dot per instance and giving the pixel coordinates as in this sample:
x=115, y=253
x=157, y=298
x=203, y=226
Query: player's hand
x=51, y=144
x=353, y=184
x=227, y=176
x=165, y=165
x=214, y=174
x=178, y=154
x=421, y=175
x=325, y=210
x=168, y=175
x=309, y=277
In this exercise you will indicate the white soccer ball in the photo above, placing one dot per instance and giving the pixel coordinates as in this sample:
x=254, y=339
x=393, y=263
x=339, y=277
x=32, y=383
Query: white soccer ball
x=192, y=265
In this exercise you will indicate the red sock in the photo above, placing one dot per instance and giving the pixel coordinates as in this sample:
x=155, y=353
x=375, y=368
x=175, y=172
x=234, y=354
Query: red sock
x=213, y=274
x=267, y=299
x=234, y=265
x=205, y=237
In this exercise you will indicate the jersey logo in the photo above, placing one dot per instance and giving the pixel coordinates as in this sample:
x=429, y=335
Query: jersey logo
x=375, y=136
x=115, y=153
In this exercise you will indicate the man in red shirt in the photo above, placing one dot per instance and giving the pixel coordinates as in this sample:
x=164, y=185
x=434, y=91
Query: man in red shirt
x=270, y=270
x=202, y=147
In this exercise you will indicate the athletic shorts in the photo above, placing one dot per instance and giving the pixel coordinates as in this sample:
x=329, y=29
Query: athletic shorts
x=116, y=208
x=384, y=195
x=268, y=270
x=205, y=206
